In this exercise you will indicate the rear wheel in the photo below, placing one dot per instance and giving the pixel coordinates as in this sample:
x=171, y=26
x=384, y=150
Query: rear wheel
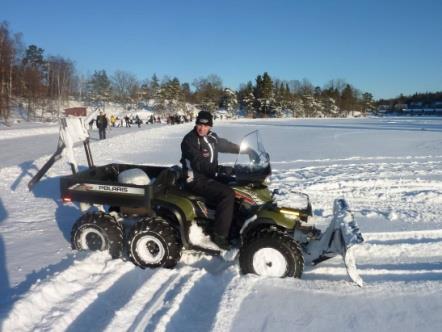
x=153, y=242
x=97, y=232
x=271, y=253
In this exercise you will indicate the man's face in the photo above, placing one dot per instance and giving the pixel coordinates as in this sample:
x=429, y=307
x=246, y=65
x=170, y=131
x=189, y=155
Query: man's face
x=202, y=129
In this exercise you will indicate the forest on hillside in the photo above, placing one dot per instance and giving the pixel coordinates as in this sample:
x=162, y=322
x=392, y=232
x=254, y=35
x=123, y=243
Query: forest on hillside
x=421, y=100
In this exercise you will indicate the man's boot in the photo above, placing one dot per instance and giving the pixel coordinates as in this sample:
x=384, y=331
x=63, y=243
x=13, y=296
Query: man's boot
x=221, y=241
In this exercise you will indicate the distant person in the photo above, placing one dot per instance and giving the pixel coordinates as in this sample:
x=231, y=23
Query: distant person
x=91, y=124
x=127, y=120
x=138, y=121
x=101, y=122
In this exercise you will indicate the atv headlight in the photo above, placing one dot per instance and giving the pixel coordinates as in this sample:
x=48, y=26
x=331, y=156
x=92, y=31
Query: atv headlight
x=290, y=213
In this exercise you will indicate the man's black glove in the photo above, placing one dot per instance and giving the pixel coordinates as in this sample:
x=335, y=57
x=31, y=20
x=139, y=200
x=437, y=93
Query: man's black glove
x=254, y=156
x=225, y=170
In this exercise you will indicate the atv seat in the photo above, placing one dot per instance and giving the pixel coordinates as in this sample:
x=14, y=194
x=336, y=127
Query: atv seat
x=200, y=200
x=194, y=197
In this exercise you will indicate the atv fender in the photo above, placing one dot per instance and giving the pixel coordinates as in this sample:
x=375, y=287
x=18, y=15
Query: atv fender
x=255, y=224
x=170, y=211
x=278, y=219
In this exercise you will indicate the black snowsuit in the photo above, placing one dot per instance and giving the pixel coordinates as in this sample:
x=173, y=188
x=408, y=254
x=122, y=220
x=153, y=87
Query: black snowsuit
x=200, y=166
x=102, y=125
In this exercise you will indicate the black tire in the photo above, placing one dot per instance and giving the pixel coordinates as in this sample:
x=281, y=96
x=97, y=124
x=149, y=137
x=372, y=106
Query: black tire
x=153, y=242
x=98, y=232
x=271, y=252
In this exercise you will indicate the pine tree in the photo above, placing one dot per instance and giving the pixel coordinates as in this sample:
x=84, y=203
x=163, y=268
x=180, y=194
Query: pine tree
x=330, y=108
x=247, y=98
x=258, y=87
x=267, y=87
x=296, y=105
x=367, y=103
x=229, y=100
x=34, y=75
x=347, y=99
x=187, y=94
x=154, y=86
x=309, y=105
x=99, y=86
x=264, y=95
x=34, y=57
x=175, y=95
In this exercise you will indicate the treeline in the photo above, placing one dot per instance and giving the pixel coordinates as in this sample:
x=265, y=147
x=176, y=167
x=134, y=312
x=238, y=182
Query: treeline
x=268, y=97
x=43, y=84
x=427, y=99
x=25, y=73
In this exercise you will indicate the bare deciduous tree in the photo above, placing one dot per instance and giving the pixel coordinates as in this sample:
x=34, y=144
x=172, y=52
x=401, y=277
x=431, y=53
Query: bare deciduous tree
x=60, y=80
x=7, y=55
x=125, y=86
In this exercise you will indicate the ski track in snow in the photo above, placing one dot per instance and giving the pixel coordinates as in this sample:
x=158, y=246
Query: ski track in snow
x=405, y=190
x=113, y=295
x=97, y=293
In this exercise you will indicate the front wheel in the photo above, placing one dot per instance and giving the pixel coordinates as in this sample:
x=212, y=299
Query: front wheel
x=97, y=232
x=153, y=242
x=271, y=253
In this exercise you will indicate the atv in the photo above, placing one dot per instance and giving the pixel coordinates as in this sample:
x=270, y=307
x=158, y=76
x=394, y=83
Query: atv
x=145, y=213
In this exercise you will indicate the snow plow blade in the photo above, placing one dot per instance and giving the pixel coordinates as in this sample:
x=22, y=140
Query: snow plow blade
x=338, y=239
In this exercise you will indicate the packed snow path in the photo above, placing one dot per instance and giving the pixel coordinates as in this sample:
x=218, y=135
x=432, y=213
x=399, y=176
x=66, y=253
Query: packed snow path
x=394, y=189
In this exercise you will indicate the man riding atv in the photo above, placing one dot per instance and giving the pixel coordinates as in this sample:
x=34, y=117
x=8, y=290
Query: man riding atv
x=199, y=159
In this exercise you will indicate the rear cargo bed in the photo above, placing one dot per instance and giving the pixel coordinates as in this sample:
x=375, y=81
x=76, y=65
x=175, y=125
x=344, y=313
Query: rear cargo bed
x=99, y=185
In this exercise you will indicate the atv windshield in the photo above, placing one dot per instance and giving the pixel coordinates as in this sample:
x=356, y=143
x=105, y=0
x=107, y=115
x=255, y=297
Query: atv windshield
x=253, y=162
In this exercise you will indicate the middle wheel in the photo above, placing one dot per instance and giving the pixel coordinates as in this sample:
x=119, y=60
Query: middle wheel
x=153, y=243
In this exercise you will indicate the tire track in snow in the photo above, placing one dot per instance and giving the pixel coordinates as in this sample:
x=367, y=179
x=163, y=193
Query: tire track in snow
x=172, y=304
x=197, y=310
x=152, y=288
x=99, y=312
x=150, y=315
x=62, y=297
x=390, y=256
x=240, y=287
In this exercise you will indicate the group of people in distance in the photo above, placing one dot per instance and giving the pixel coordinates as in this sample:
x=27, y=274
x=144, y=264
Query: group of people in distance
x=102, y=121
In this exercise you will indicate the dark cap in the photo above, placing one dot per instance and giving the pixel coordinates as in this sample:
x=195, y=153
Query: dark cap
x=204, y=118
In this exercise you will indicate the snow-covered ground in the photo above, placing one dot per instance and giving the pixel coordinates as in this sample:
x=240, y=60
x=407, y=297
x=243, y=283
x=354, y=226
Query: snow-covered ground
x=389, y=170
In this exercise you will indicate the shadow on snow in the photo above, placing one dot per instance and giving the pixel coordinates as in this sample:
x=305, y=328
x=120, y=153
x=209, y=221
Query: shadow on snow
x=65, y=217
x=99, y=314
x=4, y=277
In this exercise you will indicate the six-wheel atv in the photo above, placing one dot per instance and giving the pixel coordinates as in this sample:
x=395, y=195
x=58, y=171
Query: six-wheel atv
x=145, y=212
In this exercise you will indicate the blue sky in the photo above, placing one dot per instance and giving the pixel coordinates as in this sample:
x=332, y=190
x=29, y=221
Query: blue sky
x=383, y=47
